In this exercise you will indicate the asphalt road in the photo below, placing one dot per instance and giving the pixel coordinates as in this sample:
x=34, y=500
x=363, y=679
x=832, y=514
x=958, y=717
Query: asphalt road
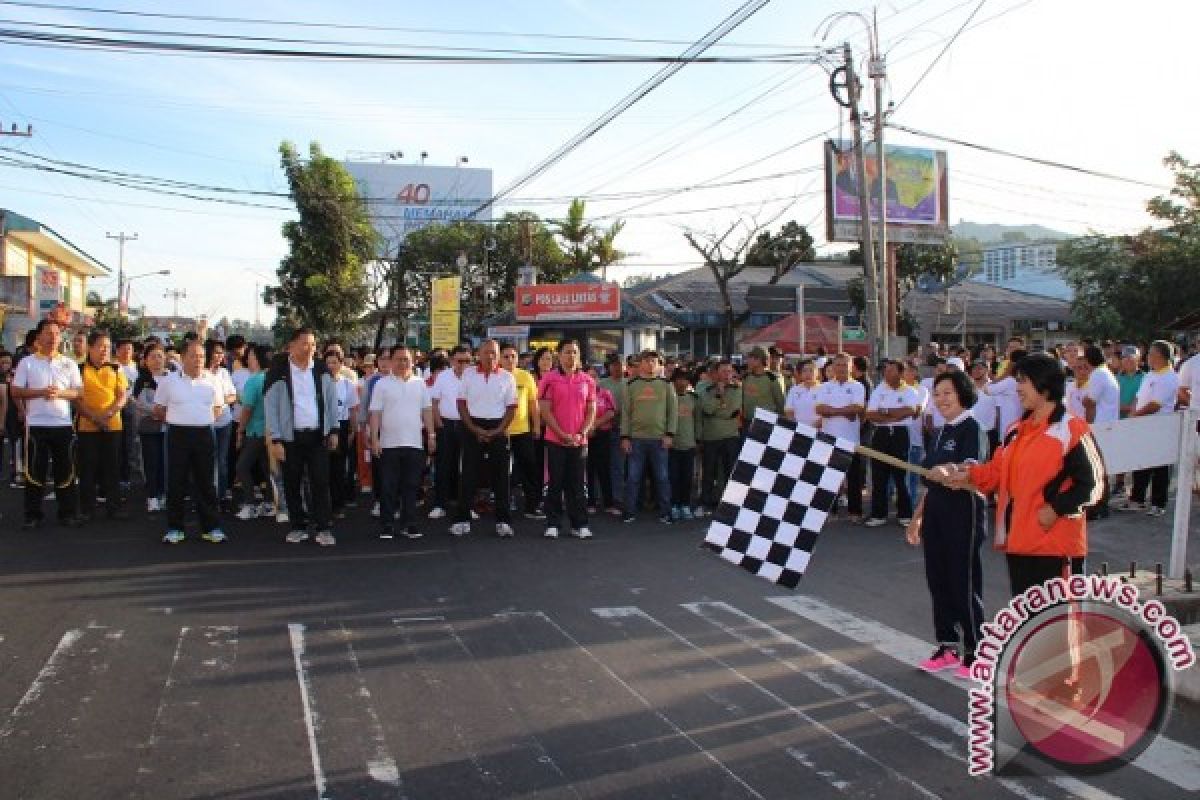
x=634, y=665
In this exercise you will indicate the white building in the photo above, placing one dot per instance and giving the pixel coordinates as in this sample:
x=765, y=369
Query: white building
x=1029, y=266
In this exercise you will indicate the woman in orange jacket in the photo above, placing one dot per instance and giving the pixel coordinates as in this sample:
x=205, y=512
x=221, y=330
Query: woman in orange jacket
x=1045, y=474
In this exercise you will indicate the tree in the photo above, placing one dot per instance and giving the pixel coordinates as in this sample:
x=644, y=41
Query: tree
x=913, y=262
x=109, y=318
x=604, y=249
x=577, y=236
x=322, y=280
x=781, y=251
x=1130, y=287
x=726, y=261
x=93, y=299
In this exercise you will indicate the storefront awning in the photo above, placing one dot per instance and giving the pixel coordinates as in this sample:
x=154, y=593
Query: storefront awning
x=46, y=240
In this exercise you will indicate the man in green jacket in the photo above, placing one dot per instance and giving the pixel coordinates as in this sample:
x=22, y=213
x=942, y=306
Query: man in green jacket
x=721, y=412
x=760, y=388
x=648, y=423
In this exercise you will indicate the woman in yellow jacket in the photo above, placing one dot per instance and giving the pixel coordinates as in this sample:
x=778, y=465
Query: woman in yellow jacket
x=1045, y=474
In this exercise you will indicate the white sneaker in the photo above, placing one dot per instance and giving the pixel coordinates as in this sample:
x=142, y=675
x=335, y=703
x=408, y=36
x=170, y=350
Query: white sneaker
x=375, y=510
x=325, y=539
x=474, y=514
x=503, y=529
x=295, y=537
x=875, y=522
x=152, y=505
x=582, y=533
x=904, y=521
x=266, y=509
x=551, y=533
x=460, y=528
x=281, y=516
x=248, y=512
x=437, y=513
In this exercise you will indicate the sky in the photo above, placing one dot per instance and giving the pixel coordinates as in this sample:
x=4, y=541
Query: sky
x=1056, y=79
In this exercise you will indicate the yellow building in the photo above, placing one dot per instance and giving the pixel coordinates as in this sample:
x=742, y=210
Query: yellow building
x=40, y=272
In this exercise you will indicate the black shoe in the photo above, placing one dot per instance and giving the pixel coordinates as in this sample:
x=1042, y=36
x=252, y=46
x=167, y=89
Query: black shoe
x=665, y=519
x=628, y=518
x=412, y=533
x=31, y=523
x=118, y=514
x=386, y=533
x=76, y=521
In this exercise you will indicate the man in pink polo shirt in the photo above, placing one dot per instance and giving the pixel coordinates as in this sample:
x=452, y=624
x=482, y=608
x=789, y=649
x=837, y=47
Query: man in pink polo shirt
x=568, y=405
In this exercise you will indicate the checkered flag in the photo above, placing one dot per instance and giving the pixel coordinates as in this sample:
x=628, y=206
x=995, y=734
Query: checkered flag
x=783, y=487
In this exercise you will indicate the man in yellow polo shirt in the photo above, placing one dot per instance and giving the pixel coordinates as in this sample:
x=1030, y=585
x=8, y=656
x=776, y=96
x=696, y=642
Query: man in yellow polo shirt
x=99, y=427
x=524, y=434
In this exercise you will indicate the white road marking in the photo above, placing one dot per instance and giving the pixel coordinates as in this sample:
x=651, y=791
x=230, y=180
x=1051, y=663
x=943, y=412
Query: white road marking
x=641, y=698
x=311, y=722
x=1165, y=758
x=782, y=703
x=167, y=684
x=381, y=766
x=220, y=656
x=47, y=673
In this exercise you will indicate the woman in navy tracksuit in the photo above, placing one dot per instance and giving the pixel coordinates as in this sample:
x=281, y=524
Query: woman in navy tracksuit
x=952, y=525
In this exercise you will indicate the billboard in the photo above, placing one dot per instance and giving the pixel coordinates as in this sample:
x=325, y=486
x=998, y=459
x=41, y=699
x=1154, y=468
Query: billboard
x=917, y=193
x=567, y=301
x=49, y=288
x=402, y=198
x=444, y=322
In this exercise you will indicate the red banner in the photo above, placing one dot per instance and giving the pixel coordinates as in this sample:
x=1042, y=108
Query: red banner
x=568, y=301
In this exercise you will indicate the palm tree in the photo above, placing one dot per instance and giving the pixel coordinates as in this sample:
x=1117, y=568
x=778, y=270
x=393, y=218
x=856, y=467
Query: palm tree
x=577, y=236
x=604, y=248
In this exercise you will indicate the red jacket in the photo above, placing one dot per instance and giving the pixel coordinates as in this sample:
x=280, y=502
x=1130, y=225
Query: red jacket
x=1051, y=462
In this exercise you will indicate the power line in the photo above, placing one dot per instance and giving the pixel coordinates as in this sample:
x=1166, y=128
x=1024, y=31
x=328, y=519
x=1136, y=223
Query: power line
x=941, y=53
x=1032, y=159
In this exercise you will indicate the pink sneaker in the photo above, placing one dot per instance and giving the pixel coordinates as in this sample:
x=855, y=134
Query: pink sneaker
x=942, y=659
x=963, y=673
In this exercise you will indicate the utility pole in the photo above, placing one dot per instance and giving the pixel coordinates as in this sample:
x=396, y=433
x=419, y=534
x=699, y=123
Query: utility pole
x=121, y=238
x=870, y=274
x=176, y=295
x=877, y=72
x=257, y=316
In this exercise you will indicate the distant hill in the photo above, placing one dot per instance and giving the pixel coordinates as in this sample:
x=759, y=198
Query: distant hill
x=987, y=232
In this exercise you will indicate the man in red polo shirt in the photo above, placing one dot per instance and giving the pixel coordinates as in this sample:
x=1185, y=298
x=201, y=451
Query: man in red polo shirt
x=568, y=405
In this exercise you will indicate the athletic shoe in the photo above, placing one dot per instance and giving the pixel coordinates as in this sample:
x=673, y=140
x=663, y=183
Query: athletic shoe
x=325, y=539
x=628, y=518
x=904, y=521
x=551, y=533
x=266, y=509
x=460, y=529
x=537, y=513
x=1132, y=505
x=675, y=514
x=666, y=519
x=248, y=512
x=686, y=513
x=281, y=517
x=504, y=530
x=174, y=537
x=474, y=515
x=582, y=533
x=375, y=509
x=386, y=533
x=295, y=537
x=943, y=658
x=963, y=672
x=875, y=522
x=413, y=533
x=1155, y=511
x=152, y=505
x=77, y=521
x=31, y=523
x=215, y=536
x=437, y=513
x=614, y=510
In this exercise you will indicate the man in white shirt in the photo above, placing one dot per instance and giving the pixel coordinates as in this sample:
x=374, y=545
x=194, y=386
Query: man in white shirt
x=840, y=404
x=1004, y=392
x=1157, y=395
x=189, y=401
x=48, y=382
x=892, y=404
x=343, y=462
x=401, y=428
x=985, y=411
x=1099, y=396
x=916, y=426
x=801, y=401
x=444, y=396
x=487, y=402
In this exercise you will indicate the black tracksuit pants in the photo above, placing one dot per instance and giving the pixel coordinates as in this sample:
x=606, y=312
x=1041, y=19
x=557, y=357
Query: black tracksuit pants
x=99, y=457
x=953, y=530
x=44, y=444
x=498, y=459
x=191, y=464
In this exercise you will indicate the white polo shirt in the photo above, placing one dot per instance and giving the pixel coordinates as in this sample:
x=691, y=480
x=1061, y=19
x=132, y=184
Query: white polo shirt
x=841, y=395
x=916, y=428
x=489, y=394
x=445, y=393
x=400, y=403
x=1157, y=387
x=305, y=414
x=189, y=401
x=35, y=372
x=936, y=420
x=1008, y=402
x=347, y=397
x=225, y=381
x=802, y=402
x=986, y=410
x=1105, y=392
x=885, y=398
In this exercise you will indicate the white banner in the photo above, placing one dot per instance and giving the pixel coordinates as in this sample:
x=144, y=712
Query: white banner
x=1139, y=443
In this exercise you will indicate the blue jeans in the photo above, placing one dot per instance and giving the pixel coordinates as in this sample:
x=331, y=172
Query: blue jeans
x=652, y=450
x=224, y=438
x=916, y=454
x=617, y=465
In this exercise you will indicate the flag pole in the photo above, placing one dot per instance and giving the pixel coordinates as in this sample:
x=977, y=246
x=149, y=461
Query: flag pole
x=899, y=463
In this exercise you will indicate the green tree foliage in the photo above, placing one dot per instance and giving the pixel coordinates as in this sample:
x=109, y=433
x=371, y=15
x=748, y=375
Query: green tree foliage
x=322, y=280
x=119, y=326
x=781, y=251
x=1132, y=287
x=586, y=246
x=914, y=261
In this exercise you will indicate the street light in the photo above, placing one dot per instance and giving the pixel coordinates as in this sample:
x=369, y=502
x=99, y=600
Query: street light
x=123, y=302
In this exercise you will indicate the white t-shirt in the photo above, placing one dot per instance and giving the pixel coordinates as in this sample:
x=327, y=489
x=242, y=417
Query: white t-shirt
x=35, y=372
x=841, y=395
x=802, y=402
x=225, y=381
x=1105, y=392
x=239, y=377
x=189, y=401
x=885, y=398
x=915, y=429
x=488, y=395
x=305, y=414
x=1189, y=378
x=347, y=397
x=1008, y=402
x=936, y=420
x=445, y=393
x=400, y=403
x=131, y=375
x=986, y=410
x=1073, y=399
x=1157, y=387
